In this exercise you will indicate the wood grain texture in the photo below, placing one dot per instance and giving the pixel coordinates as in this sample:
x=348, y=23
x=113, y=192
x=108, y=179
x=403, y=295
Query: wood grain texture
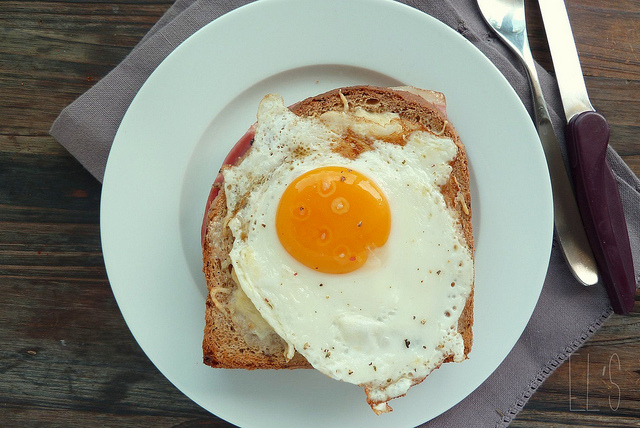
x=66, y=355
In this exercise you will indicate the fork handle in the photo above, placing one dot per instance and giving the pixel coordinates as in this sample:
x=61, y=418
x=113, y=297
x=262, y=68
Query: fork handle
x=569, y=228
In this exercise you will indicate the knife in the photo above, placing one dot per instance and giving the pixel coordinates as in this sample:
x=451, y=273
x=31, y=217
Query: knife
x=587, y=135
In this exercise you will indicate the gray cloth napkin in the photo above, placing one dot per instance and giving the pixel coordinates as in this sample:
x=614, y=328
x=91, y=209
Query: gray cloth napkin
x=566, y=315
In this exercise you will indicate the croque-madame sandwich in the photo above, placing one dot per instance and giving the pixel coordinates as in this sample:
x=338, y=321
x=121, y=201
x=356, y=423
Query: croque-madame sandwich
x=342, y=241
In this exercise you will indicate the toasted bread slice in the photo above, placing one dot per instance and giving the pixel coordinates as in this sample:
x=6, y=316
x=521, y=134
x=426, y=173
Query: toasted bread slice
x=235, y=336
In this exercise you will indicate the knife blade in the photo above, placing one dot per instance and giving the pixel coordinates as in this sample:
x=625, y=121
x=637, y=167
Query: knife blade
x=587, y=135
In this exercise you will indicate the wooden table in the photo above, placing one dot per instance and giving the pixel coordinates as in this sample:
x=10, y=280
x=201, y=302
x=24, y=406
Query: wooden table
x=66, y=355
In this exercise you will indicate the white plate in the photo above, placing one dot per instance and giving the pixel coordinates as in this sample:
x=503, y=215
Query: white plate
x=203, y=97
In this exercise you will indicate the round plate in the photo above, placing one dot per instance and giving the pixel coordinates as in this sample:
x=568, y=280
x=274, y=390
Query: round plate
x=204, y=96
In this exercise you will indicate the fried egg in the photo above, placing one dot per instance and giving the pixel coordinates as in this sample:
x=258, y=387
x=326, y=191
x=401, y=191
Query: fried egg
x=356, y=262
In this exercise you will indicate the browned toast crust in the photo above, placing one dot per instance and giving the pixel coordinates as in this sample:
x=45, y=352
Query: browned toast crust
x=227, y=344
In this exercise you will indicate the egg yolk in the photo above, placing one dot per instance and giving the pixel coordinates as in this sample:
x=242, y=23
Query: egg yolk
x=331, y=218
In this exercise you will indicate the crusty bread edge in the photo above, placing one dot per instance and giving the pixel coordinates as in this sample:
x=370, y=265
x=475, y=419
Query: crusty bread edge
x=217, y=273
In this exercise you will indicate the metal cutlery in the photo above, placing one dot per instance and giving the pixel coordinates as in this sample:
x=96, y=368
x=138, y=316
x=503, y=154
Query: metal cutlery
x=507, y=19
x=587, y=135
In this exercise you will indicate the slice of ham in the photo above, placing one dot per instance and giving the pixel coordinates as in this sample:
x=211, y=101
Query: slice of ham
x=436, y=99
x=236, y=152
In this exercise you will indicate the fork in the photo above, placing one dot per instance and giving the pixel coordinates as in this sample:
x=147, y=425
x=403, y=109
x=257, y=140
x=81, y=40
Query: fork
x=507, y=19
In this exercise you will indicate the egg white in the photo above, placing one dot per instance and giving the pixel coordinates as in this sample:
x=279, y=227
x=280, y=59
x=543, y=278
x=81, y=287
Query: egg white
x=387, y=323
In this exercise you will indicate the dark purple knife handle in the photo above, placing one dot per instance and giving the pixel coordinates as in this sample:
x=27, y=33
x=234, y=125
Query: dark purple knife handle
x=600, y=207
